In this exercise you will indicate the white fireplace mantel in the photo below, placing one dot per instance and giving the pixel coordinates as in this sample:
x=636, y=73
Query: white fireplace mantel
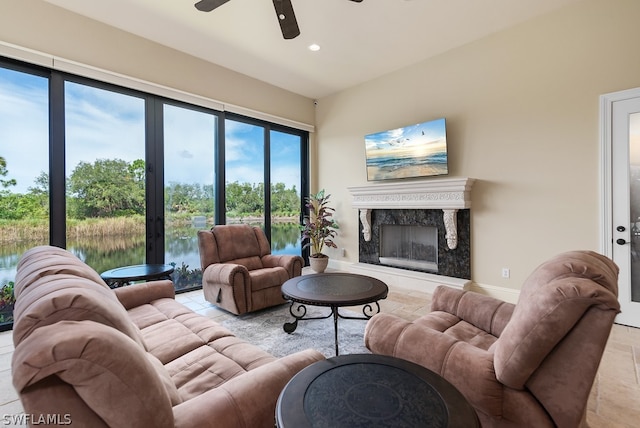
x=447, y=194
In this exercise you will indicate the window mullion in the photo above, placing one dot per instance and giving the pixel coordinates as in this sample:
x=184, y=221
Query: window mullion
x=57, y=180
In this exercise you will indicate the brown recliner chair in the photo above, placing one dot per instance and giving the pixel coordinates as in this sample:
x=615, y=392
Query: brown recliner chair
x=526, y=365
x=239, y=273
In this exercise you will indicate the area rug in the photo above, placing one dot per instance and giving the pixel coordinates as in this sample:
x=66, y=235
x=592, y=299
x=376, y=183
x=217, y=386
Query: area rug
x=264, y=329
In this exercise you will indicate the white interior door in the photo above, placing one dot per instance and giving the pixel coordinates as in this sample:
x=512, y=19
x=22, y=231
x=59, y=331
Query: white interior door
x=625, y=191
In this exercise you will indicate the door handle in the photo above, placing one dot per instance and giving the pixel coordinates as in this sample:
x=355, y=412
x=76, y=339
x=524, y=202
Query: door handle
x=621, y=241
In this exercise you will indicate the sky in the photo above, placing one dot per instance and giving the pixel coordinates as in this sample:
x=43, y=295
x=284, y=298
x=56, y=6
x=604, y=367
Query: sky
x=106, y=125
x=23, y=127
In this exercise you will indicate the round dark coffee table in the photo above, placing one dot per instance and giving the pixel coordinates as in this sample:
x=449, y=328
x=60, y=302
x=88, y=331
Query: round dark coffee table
x=124, y=275
x=334, y=290
x=364, y=390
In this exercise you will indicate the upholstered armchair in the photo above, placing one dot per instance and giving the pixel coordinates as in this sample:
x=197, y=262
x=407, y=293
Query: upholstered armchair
x=239, y=273
x=526, y=365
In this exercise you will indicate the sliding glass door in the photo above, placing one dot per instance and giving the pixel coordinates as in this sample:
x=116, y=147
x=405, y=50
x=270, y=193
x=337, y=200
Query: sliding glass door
x=244, y=173
x=190, y=140
x=105, y=176
x=264, y=180
x=286, y=180
x=24, y=181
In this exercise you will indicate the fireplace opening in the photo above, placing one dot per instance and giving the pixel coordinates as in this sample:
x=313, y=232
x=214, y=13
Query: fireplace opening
x=409, y=246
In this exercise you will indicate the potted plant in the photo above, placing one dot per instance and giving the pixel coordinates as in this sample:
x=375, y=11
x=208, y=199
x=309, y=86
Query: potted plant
x=319, y=228
x=7, y=299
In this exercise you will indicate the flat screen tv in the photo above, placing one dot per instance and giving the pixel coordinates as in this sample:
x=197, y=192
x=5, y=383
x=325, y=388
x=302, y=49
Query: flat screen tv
x=412, y=151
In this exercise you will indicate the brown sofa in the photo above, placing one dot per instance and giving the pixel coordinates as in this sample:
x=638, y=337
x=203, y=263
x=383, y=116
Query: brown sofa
x=239, y=273
x=526, y=365
x=133, y=357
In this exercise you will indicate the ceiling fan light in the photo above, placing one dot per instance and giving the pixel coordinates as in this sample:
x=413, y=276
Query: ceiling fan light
x=314, y=47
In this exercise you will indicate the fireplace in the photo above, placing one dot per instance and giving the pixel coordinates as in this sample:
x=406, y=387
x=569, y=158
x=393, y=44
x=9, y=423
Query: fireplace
x=422, y=227
x=417, y=242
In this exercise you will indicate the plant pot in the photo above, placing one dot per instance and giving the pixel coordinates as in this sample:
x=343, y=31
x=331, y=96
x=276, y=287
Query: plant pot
x=318, y=264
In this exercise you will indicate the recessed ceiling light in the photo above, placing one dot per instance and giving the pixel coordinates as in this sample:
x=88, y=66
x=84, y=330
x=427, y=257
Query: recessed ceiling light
x=314, y=47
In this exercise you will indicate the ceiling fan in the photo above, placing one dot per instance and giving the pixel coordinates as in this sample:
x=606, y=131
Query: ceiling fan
x=284, y=12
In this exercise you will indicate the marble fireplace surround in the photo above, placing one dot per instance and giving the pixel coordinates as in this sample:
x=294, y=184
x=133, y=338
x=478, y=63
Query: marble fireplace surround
x=446, y=194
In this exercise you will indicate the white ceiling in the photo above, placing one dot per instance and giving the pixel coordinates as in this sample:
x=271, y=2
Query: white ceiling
x=359, y=41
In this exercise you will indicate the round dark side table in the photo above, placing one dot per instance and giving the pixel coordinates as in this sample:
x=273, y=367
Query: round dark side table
x=365, y=390
x=147, y=272
x=334, y=290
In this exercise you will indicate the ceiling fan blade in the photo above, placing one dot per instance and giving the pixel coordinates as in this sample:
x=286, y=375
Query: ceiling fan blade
x=209, y=5
x=286, y=18
x=357, y=1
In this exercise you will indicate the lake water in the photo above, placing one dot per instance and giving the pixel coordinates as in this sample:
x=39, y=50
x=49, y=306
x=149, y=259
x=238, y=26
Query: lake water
x=181, y=249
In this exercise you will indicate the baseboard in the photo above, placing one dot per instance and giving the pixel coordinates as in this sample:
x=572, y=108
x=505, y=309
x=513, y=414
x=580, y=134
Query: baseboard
x=507, y=294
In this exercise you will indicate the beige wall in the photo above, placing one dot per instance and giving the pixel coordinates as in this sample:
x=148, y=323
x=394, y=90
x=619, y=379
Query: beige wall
x=522, y=110
x=40, y=26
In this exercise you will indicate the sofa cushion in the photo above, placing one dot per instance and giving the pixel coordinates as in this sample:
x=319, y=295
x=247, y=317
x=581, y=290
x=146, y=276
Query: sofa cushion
x=107, y=369
x=198, y=353
x=469, y=333
x=169, y=339
x=169, y=328
x=207, y=368
x=267, y=278
x=165, y=378
x=251, y=262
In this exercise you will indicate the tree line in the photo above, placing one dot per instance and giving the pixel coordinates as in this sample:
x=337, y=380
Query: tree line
x=115, y=188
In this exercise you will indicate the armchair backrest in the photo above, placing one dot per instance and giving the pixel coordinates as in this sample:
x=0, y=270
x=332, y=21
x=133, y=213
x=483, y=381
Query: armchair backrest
x=233, y=243
x=555, y=338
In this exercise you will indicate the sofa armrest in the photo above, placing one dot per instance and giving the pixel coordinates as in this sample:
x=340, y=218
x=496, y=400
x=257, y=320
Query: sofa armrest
x=135, y=295
x=293, y=264
x=248, y=400
x=485, y=312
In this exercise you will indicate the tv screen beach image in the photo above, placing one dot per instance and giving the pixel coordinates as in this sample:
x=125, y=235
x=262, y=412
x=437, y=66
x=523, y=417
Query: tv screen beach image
x=412, y=151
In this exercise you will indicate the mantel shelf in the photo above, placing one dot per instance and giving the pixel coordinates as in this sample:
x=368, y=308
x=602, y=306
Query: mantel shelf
x=444, y=193
x=447, y=194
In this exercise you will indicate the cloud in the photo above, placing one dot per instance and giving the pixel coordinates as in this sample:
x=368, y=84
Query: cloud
x=102, y=124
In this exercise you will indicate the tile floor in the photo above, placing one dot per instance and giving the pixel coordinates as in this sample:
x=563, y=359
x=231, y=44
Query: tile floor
x=614, y=401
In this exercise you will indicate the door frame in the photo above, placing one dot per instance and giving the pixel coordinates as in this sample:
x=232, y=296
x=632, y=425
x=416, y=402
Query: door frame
x=606, y=156
x=607, y=103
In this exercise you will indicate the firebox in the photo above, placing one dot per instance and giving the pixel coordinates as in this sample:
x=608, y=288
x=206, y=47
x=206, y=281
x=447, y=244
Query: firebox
x=409, y=246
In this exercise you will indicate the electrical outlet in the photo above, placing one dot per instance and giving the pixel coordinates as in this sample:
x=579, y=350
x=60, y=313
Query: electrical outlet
x=343, y=252
x=506, y=273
